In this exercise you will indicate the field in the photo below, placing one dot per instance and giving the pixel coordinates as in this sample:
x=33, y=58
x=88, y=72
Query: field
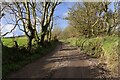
x=22, y=41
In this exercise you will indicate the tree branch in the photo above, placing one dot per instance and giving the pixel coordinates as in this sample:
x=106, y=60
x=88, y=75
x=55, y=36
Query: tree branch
x=12, y=28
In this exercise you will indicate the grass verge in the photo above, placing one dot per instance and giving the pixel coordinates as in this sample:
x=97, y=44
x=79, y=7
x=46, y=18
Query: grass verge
x=105, y=48
x=14, y=59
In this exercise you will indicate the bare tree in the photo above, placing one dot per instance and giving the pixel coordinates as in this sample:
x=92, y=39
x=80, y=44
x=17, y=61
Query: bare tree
x=47, y=12
x=25, y=16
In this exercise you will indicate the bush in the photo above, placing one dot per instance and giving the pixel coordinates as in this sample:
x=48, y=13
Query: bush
x=92, y=47
x=71, y=41
x=80, y=42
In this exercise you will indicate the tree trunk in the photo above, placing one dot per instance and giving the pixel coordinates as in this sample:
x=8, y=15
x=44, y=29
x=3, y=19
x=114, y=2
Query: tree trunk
x=51, y=26
x=29, y=43
x=44, y=30
x=50, y=35
x=42, y=38
x=36, y=37
x=47, y=14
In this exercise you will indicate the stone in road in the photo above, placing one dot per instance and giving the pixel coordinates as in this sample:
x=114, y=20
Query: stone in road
x=64, y=62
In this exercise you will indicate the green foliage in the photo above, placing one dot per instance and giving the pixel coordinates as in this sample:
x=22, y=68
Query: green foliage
x=114, y=61
x=80, y=42
x=93, y=19
x=56, y=33
x=71, y=41
x=111, y=54
x=93, y=47
x=69, y=32
x=109, y=41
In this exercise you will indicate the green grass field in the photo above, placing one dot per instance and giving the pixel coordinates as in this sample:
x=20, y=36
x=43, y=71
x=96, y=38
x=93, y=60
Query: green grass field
x=9, y=42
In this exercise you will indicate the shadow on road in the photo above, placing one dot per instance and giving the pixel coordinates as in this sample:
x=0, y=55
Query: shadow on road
x=64, y=62
x=68, y=49
x=73, y=57
x=76, y=72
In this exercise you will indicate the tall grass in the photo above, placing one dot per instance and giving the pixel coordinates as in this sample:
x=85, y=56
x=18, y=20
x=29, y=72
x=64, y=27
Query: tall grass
x=111, y=54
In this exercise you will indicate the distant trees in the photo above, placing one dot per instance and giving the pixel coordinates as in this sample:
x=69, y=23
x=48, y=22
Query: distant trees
x=56, y=33
x=70, y=32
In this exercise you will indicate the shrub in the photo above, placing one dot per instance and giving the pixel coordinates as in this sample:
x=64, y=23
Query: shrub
x=92, y=47
x=80, y=42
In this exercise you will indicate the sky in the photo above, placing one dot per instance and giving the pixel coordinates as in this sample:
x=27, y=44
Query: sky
x=61, y=11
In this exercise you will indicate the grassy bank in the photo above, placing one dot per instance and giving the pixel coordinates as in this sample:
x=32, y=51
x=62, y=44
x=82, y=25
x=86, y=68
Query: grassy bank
x=105, y=48
x=14, y=59
x=111, y=53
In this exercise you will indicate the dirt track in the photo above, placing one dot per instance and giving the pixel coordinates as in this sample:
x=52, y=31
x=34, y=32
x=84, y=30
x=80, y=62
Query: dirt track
x=64, y=62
